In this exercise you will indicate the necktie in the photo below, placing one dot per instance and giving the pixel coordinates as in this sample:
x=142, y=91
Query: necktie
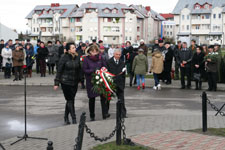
x=117, y=62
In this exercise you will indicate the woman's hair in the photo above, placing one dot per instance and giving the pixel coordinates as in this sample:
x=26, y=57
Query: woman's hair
x=92, y=48
x=68, y=45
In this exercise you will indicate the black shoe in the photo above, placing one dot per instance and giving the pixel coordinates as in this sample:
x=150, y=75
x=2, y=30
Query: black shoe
x=92, y=119
x=15, y=80
x=106, y=116
x=74, y=121
x=130, y=84
x=66, y=121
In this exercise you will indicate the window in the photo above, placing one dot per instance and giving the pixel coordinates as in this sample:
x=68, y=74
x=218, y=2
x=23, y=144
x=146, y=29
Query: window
x=34, y=29
x=197, y=7
x=182, y=17
x=207, y=16
x=171, y=33
x=187, y=27
x=105, y=19
x=50, y=30
x=188, y=16
x=37, y=29
x=130, y=38
x=43, y=29
x=106, y=11
x=115, y=29
x=214, y=16
x=72, y=20
x=138, y=29
x=171, y=26
x=107, y=29
x=167, y=33
x=197, y=27
x=206, y=6
x=168, y=26
x=126, y=38
x=78, y=19
x=78, y=29
x=203, y=17
x=79, y=38
x=114, y=11
x=219, y=16
x=109, y=19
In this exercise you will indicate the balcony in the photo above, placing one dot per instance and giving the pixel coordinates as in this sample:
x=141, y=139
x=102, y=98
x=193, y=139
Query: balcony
x=200, y=31
x=46, y=25
x=200, y=21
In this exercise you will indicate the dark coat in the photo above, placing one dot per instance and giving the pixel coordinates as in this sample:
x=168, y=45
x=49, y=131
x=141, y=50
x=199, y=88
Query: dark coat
x=185, y=55
x=115, y=69
x=68, y=70
x=52, y=55
x=89, y=67
x=18, y=57
x=61, y=51
x=154, y=47
x=29, y=54
x=145, y=48
x=168, y=60
x=127, y=52
x=42, y=53
x=175, y=53
x=198, y=59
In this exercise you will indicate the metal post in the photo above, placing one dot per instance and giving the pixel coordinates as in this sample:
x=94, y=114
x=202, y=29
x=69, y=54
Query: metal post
x=2, y=146
x=50, y=145
x=118, y=122
x=81, y=131
x=204, y=112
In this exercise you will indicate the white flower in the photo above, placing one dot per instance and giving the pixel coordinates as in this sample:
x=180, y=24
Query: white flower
x=97, y=77
x=101, y=80
x=97, y=82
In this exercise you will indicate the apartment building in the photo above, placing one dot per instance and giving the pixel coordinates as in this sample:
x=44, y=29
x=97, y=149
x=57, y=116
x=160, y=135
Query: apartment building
x=168, y=26
x=112, y=23
x=48, y=21
x=200, y=20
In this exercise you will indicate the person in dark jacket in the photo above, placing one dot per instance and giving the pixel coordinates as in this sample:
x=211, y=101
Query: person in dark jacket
x=42, y=55
x=161, y=45
x=29, y=59
x=132, y=75
x=82, y=56
x=62, y=50
x=117, y=67
x=90, y=65
x=144, y=47
x=184, y=59
x=211, y=68
x=156, y=45
x=177, y=48
x=198, y=63
x=68, y=76
x=2, y=44
x=168, y=59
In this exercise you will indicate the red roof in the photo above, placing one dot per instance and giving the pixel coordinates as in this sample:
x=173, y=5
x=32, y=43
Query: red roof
x=167, y=16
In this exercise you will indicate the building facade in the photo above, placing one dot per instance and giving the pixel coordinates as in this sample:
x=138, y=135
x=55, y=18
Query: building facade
x=112, y=23
x=168, y=26
x=200, y=20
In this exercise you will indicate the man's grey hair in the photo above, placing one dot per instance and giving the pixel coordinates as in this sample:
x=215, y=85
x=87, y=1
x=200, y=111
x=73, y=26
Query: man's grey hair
x=117, y=50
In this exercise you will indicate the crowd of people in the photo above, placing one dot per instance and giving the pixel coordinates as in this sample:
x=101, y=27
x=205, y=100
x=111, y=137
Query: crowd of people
x=76, y=63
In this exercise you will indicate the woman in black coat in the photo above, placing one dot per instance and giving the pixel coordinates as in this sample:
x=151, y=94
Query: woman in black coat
x=198, y=64
x=168, y=59
x=68, y=76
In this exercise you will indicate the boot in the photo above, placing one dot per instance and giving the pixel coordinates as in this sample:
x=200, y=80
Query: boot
x=200, y=85
x=66, y=118
x=196, y=85
x=72, y=112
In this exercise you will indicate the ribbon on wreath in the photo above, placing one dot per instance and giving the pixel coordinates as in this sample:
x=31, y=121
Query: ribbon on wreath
x=102, y=72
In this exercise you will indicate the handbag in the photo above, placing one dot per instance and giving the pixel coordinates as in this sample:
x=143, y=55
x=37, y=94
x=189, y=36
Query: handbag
x=197, y=76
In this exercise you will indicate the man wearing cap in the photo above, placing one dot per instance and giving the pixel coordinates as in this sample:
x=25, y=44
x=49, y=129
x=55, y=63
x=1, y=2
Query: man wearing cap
x=144, y=47
x=161, y=45
x=168, y=59
x=184, y=59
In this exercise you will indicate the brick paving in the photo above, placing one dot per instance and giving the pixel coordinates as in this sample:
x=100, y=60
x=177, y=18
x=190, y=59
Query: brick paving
x=179, y=140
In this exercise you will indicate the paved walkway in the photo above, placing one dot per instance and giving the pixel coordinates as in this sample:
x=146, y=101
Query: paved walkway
x=177, y=140
x=64, y=137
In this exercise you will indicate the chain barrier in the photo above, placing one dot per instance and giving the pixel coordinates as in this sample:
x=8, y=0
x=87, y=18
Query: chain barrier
x=214, y=107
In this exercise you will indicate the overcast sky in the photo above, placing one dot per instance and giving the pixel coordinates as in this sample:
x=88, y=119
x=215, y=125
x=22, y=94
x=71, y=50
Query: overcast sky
x=13, y=12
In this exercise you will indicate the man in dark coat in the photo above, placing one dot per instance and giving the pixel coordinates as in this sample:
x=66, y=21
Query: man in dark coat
x=168, y=59
x=117, y=67
x=184, y=59
x=161, y=45
x=175, y=53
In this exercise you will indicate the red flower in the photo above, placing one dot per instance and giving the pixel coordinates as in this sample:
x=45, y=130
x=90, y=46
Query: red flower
x=109, y=98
